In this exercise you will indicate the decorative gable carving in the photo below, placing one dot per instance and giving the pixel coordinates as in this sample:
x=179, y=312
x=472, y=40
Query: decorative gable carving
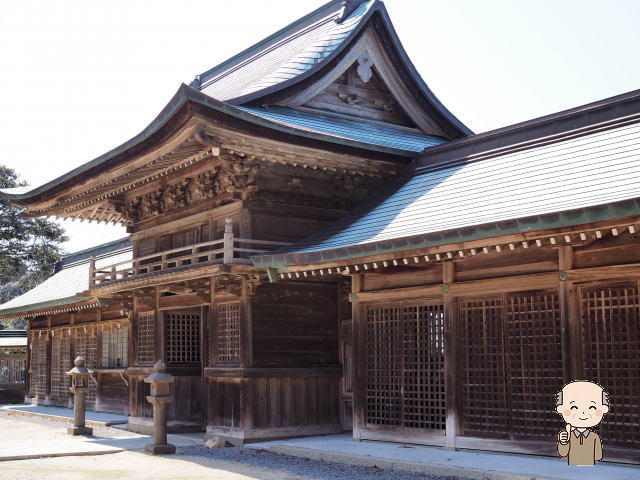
x=361, y=92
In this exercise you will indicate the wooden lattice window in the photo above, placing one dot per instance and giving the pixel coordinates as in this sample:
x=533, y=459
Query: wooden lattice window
x=146, y=354
x=405, y=366
x=228, y=332
x=12, y=369
x=611, y=356
x=60, y=364
x=183, y=337
x=115, y=347
x=86, y=346
x=512, y=364
x=39, y=366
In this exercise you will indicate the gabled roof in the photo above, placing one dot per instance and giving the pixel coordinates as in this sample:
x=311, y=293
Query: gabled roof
x=63, y=288
x=572, y=168
x=283, y=56
x=306, y=48
x=297, y=53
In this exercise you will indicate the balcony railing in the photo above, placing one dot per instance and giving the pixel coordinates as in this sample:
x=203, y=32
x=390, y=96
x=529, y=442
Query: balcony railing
x=227, y=250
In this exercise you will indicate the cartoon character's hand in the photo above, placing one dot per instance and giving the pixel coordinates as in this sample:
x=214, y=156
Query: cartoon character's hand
x=563, y=436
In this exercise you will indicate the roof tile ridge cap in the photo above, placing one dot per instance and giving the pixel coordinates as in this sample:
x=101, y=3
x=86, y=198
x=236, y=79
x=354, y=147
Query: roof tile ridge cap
x=262, y=53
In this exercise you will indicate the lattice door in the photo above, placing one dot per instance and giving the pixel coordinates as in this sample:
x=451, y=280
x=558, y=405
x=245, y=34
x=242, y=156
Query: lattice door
x=39, y=367
x=183, y=337
x=228, y=317
x=534, y=348
x=146, y=354
x=611, y=356
x=60, y=363
x=405, y=366
x=85, y=345
x=512, y=351
x=484, y=394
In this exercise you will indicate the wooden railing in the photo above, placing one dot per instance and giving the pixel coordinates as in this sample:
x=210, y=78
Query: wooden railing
x=227, y=250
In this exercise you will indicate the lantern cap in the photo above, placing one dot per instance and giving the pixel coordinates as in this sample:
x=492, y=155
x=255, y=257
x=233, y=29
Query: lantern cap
x=79, y=368
x=160, y=374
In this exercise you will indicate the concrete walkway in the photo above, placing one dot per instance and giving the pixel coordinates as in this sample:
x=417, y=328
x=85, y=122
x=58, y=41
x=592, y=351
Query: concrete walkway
x=439, y=461
x=23, y=439
x=64, y=415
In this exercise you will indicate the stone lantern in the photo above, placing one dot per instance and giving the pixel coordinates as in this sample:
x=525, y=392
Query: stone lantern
x=160, y=396
x=79, y=387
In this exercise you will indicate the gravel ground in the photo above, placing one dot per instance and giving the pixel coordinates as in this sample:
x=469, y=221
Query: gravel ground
x=189, y=463
x=295, y=468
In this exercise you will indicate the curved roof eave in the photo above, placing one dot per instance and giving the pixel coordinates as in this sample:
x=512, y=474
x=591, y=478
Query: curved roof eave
x=521, y=225
x=408, y=64
x=188, y=94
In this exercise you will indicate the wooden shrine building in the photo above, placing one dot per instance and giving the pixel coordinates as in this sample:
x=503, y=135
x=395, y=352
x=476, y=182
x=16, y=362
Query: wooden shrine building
x=319, y=245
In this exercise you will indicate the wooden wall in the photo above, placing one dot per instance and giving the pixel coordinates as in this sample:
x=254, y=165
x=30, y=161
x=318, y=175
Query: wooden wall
x=516, y=331
x=53, y=354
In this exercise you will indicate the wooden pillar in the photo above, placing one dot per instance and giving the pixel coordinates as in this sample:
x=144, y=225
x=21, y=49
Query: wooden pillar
x=451, y=337
x=568, y=316
x=228, y=242
x=27, y=374
x=160, y=328
x=99, y=353
x=246, y=326
x=359, y=358
x=48, y=338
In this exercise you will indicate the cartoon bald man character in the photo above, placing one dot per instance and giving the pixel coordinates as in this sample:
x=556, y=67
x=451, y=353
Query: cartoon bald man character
x=582, y=404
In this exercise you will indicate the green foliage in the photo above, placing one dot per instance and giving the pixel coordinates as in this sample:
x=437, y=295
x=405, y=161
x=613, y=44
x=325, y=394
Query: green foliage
x=29, y=247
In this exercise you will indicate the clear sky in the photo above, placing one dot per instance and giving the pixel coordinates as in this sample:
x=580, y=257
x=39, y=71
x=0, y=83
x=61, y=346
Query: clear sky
x=78, y=78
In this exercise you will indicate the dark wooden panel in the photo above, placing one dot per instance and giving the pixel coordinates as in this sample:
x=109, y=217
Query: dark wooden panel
x=290, y=402
x=295, y=325
x=187, y=403
x=138, y=392
x=223, y=409
x=113, y=393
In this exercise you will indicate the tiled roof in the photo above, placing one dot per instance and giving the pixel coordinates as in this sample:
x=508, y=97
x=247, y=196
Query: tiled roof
x=13, y=338
x=361, y=131
x=572, y=181
x=287, y=54
x=63, y=287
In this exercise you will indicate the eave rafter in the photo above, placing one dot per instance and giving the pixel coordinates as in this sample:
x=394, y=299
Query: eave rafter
x=433, y=255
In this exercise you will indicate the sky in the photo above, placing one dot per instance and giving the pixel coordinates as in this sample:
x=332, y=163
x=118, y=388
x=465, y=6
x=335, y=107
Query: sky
x=78, y=78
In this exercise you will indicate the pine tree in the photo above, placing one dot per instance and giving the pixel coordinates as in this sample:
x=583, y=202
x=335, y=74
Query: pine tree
x=29, y=247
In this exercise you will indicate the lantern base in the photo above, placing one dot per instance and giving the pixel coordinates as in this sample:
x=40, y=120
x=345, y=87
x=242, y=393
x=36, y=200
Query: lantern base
x=161, y=449
x=79, y=431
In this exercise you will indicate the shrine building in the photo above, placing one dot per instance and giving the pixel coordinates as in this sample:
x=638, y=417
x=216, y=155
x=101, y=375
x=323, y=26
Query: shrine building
x=318, y=245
